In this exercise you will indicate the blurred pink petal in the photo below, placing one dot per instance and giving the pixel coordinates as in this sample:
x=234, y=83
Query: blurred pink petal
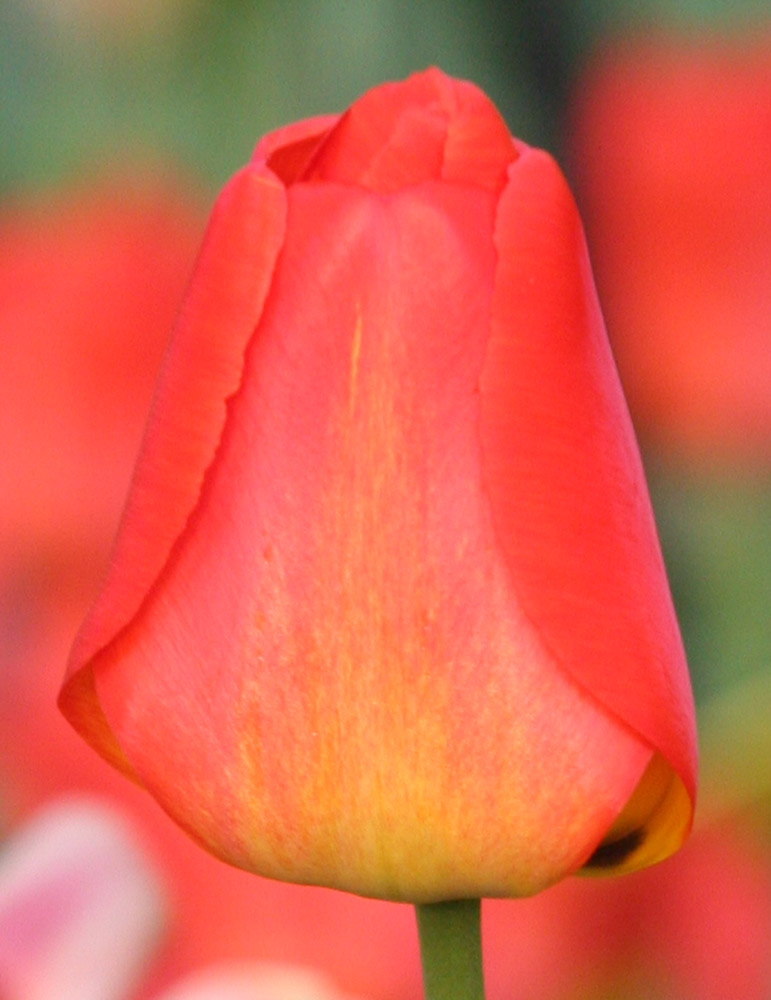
x=81, y=910
x=259, y=981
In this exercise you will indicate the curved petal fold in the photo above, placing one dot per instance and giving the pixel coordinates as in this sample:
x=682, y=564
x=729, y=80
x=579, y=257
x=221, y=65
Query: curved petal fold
x=428, y=128
x=566, y=485
x=289, y=150
x=201, y=370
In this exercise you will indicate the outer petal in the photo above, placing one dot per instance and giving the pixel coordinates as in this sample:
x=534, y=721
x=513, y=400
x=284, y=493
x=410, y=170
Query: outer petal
x=331, y=681
x=202, y=369
x=568, y=495
x=430, y=127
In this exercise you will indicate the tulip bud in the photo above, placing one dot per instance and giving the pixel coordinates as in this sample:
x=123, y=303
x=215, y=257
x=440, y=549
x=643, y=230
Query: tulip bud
x=387, y=610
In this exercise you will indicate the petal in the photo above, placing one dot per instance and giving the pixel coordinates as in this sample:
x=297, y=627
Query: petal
x=567, y=491
x=289, y=150
x=428, y=127
x=332, y=664
x=201, y=371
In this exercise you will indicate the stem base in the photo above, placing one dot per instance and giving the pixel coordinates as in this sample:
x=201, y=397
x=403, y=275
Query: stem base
x=451, y=949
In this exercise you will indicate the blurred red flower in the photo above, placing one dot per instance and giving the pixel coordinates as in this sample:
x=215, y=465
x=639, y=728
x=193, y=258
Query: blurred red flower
x=88, y=286
x=90, y=282
x=696, y=927
x=671, y=149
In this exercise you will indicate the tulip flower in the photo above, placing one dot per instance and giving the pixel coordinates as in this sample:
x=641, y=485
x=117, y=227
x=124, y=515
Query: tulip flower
x=387, y=610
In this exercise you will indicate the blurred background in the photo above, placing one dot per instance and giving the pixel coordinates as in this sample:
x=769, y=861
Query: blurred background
x=120, y=120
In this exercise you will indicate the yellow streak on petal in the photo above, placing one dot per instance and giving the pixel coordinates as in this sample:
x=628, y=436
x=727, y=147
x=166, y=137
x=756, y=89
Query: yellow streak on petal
x=396, y=740
x=354, y=368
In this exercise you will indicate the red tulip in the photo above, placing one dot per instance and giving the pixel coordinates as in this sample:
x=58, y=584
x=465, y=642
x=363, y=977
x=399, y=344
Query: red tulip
x=387, y=610
x=672, y=152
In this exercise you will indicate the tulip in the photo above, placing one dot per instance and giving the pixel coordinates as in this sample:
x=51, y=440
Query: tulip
x=387, y=610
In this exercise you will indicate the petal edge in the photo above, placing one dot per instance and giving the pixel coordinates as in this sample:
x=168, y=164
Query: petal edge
x=230, y=283
x=585, y=562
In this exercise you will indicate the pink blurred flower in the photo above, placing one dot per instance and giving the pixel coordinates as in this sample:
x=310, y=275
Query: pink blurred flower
x=672, y=155
x=256, y=981
x=707, y=920
x=81, y=910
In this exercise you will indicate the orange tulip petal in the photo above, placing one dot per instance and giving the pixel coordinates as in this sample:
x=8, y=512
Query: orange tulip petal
x=337, y=685
x=202, y=369
x=565, y=481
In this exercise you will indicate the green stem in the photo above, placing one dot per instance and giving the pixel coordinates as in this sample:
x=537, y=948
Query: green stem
x=451, y=950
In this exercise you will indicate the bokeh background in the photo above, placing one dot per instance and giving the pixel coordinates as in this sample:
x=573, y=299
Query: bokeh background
x=119, y=121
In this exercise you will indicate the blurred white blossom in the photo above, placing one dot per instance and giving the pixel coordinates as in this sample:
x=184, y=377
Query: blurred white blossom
x=81, y=909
